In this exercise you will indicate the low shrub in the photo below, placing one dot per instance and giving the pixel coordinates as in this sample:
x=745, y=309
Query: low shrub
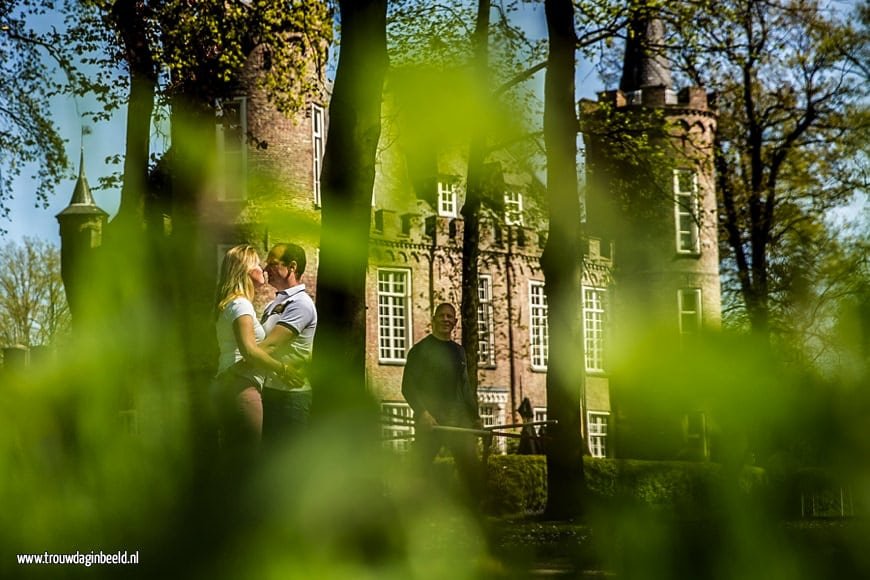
x=683, y=487
x=517, y=484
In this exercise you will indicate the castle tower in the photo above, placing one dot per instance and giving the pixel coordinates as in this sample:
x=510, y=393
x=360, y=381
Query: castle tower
x=650, y=177
x=81, y=232
x=267, y=182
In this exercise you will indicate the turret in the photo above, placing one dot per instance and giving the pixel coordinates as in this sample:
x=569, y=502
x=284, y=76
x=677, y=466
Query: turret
x=82, y=224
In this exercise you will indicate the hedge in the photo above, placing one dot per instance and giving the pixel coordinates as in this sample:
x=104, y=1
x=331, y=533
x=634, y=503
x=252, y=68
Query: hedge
x=517, y=484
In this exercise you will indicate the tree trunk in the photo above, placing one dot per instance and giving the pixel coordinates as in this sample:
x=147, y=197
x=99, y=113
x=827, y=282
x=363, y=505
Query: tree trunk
x=188, y=275
x=130, y=24
x=471, y=207
x=562, y=266
x=118, y=304
x=348, y=180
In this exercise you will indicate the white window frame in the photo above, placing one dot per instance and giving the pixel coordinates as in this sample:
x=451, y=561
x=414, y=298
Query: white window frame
x=318, y=141
x=448, y=198
x=686, y=213
x=513, y=208
x=491, y=414
x=224, y=153
x=485, y=326
x=394, y=314
x=398, y=435
x=597, y=423
x=594, y=304
x=687, y=314
x=538, y=329
x=539, y=416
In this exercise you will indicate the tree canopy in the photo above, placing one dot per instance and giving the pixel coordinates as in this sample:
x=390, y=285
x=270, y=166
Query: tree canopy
x=793, y=126
x=29, y=135
x=33, y=308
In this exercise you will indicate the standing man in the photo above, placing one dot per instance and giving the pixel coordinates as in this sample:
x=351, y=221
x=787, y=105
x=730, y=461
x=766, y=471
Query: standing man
x=435, y=384
x=290, y=322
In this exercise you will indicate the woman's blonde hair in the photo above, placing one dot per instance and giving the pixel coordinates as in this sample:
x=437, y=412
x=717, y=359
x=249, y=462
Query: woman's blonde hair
x=234, y=280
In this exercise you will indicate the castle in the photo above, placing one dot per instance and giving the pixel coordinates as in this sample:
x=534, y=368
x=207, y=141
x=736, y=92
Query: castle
x=634, y=276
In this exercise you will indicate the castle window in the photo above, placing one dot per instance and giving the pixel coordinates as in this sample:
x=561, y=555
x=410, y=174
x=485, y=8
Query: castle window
x=379, y=221
x=485, y=327
x=394, y=319
x=539, y=345
x=448, y=199
x=598, y=433
x=593, y=328
x=689, y=303
x=513, y=208
x=318, y=138
x=232, y=129
x=686, y=211
x=397, y=429
x=406, y=224
x=539, y=417
x=491, y=414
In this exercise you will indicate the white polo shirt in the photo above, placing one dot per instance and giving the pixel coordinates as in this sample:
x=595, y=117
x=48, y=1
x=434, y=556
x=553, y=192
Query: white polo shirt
x=294, y=309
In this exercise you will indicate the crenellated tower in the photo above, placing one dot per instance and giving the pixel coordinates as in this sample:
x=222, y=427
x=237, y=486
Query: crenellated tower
x=650, y=178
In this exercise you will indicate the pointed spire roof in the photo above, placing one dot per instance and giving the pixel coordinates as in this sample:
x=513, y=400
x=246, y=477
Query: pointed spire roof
x=645, y=63
x=82, y=202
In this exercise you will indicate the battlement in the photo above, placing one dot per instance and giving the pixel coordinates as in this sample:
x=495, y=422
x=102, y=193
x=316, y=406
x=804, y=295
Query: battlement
x=447, y=233
x=657, y=96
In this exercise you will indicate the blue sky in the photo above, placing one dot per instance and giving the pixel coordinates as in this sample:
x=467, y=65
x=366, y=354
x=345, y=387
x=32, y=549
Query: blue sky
x=106, y=139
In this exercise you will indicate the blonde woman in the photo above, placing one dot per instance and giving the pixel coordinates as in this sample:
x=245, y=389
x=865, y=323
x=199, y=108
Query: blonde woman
x=242, y=364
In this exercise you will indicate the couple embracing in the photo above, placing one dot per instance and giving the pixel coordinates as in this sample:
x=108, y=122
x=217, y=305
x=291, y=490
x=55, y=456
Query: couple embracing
x=261, y=390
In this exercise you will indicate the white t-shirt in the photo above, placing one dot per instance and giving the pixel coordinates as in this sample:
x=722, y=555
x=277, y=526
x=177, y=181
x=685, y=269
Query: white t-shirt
x=229, y=350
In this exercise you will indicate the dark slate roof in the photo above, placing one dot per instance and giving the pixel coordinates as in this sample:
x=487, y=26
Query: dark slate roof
x=82, y=202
